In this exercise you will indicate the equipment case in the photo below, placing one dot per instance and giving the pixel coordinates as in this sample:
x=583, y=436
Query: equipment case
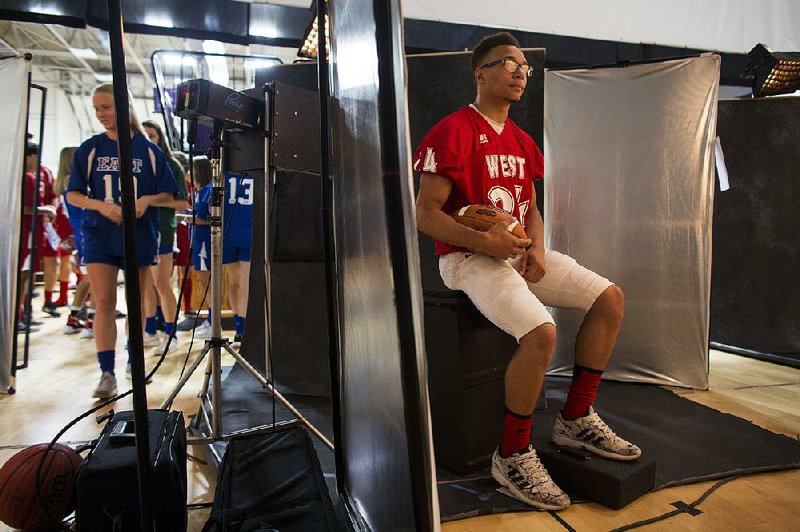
x=107, y=486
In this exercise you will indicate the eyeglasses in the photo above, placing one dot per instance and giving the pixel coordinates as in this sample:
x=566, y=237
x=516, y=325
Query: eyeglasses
x=511, y=66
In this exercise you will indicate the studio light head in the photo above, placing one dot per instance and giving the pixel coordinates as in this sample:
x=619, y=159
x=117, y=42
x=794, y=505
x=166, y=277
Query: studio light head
x=310, y=45
x=200, y=99
x=773, y=72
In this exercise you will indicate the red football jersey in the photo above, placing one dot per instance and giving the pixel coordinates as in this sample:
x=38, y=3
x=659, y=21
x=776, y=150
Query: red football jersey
x=484, y=166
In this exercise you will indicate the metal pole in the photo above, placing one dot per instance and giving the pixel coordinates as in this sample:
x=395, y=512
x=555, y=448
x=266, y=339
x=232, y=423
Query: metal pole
x=215, y=219
x=132, y=292
x=331, y=271
x=34, y=227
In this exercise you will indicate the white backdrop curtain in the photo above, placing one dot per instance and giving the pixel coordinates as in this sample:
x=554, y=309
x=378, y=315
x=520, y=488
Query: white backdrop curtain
x=14, y=95
x=629, y=183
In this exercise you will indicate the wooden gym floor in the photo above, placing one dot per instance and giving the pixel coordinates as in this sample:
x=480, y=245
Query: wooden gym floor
x=63, y=372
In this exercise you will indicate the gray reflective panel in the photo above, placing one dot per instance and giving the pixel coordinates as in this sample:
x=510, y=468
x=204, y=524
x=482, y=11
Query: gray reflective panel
x=629, y=187
x=385, y=436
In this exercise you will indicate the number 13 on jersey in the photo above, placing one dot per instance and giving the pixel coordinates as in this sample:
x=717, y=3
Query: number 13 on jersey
x=243, y=193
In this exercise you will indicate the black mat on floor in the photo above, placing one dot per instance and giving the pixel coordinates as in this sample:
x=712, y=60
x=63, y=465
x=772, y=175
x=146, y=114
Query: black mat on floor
x=688, y=441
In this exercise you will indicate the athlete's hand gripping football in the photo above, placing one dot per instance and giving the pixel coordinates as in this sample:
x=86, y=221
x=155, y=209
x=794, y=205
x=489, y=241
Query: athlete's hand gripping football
x=532, y=267
x=499, y=242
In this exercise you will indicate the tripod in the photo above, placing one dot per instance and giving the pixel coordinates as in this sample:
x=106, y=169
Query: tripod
x=210, y=411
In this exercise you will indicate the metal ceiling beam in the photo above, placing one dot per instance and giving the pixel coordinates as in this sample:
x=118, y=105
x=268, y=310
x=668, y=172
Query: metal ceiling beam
x=66, y=45
x=59, y=54
x=131, y=50
x=7, y=45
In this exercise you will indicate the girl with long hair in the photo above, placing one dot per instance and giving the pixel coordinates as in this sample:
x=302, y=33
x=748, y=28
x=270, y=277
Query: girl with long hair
x=94, y=186
x=159, y=287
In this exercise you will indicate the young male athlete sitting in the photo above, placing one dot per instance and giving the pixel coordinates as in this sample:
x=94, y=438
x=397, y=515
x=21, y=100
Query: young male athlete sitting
x=477, y=155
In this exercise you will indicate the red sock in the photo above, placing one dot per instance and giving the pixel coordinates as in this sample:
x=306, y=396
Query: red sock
x=48, y=297
x=582, y=392
x=63, y=289
x=78, y=277
x=187, y=294
x=516, y=433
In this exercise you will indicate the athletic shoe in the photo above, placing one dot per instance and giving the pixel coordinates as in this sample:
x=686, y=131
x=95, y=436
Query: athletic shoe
x=107, y=386
x=74, y=325
x=203, y=331
x=187, y=324
x=173, y=345
x=51, y=309
x=34, y=321
x=88, y=329
x=151, y=340
x=21, y=328
x=119, y=314
x=524, y=476
x=592, y=434
x=237, y=339
x=128, y=373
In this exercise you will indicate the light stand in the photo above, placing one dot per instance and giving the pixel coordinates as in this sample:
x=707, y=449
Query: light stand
x=208, y=422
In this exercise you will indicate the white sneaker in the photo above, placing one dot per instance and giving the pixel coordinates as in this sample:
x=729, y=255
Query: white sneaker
x=74, y=325
x=107, y=386
x=527, y=480
x=151, y=340
x=203, y=331
x=128, y=373
x=173, y=345
x=591, y=433
x=87, y=332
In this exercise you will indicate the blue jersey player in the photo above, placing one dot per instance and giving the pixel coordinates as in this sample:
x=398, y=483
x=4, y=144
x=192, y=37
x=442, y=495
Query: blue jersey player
x=94, y=186
x=238, y=233
x=237, y=236
x=201, y=236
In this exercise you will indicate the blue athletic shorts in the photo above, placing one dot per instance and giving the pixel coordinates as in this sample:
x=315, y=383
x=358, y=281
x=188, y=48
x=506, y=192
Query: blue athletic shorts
x=231, y=254
x=201, y=254
x=102, y=258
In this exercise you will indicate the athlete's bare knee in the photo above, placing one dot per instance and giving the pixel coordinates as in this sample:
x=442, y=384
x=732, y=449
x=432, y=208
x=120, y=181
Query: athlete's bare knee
x=541, y=341
x=104, y=303
x=611, y=303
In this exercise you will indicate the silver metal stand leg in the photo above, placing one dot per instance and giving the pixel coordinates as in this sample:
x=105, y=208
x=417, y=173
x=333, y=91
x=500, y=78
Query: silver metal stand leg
x=212, y=420
x=277, y=395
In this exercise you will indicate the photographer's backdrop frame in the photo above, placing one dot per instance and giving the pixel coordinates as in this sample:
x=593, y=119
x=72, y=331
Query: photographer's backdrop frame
x=14, y=94
x=629, y=190
x=755, y=296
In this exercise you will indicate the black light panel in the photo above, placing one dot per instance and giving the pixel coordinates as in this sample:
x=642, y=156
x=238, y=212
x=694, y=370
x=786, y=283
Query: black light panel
x=773, y=72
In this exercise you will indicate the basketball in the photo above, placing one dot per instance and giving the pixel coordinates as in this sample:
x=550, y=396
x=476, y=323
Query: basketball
x=483, y=217
x=19, y=506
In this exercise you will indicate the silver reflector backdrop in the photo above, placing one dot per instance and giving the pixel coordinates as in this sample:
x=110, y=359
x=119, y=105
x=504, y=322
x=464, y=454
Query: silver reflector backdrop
x=629, y=186
x=14, y=95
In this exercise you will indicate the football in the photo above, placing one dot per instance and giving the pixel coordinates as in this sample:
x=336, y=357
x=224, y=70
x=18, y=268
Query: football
x=483, y=217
